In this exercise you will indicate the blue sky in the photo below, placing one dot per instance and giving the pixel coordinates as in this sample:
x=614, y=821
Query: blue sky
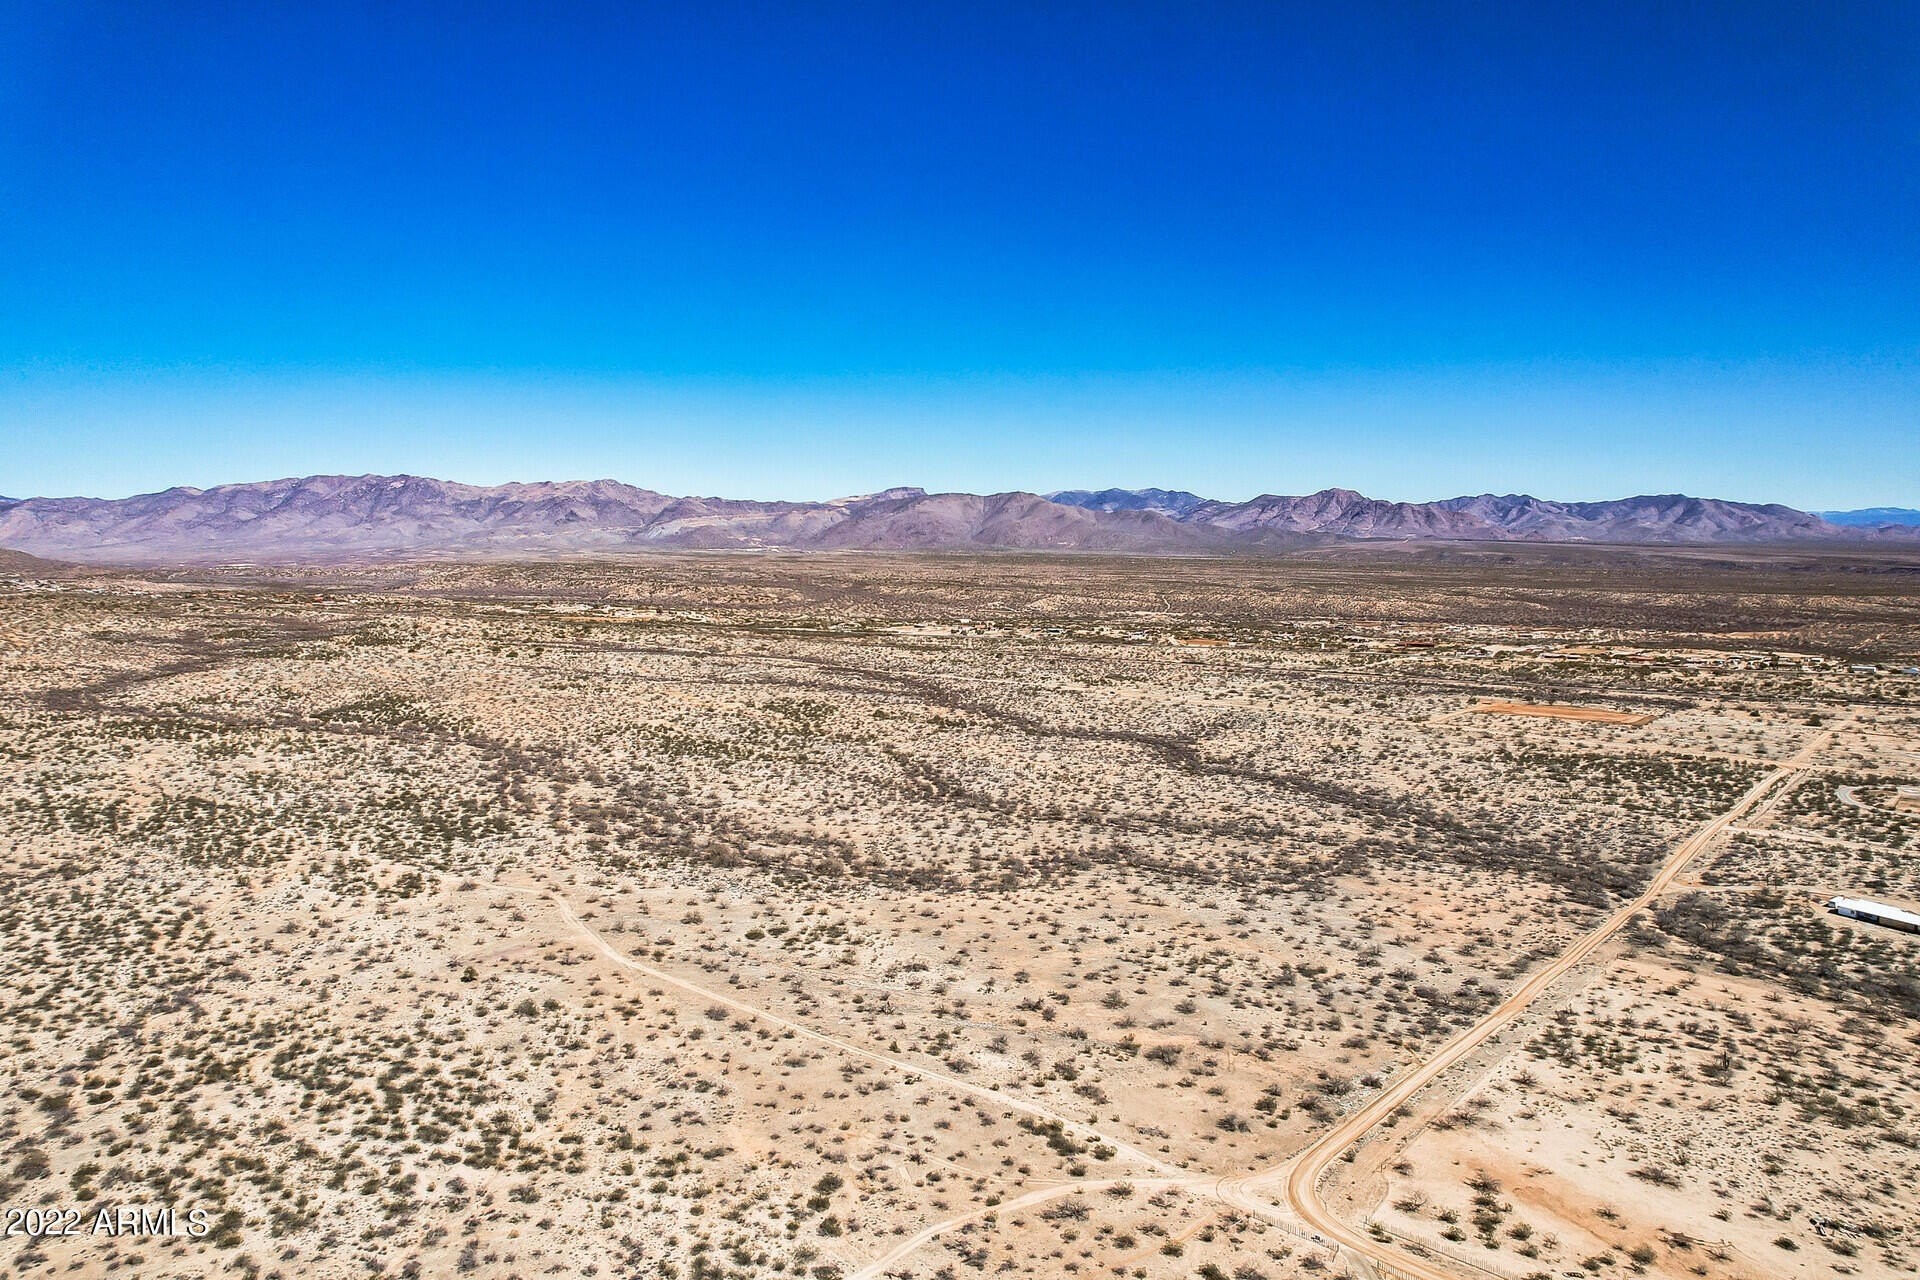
x=813, y=249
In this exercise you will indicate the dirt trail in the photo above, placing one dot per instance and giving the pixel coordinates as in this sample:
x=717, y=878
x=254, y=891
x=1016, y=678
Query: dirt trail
x=1039, y=1195
x=982, y=1093
x=1304, y=1172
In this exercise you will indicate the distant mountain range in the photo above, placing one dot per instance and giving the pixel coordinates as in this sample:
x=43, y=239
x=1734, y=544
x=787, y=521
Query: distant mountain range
x=340, y=517
x=1872, y=517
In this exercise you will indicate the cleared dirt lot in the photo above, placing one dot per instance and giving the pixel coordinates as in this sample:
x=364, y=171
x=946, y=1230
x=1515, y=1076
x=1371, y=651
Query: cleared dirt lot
x=832, y=916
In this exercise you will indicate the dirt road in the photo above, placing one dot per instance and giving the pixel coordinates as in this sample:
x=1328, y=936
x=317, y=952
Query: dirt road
x=1304, y=1172
x=980, y=1093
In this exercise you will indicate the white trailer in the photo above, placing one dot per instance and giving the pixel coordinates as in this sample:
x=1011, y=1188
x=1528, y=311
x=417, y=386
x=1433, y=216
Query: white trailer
x=1877, y=913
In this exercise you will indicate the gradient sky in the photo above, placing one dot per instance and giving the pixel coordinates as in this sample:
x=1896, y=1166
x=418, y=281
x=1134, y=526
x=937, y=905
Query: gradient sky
x=813, y=249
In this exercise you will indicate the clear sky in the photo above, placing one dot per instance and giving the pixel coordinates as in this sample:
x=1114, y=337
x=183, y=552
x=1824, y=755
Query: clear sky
x=809, y=249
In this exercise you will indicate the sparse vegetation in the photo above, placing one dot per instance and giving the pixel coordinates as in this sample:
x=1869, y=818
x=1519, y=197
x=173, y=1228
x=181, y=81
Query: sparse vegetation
x=707, y=918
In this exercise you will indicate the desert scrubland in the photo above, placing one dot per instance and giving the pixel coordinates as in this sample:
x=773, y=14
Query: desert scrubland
x=859, y=915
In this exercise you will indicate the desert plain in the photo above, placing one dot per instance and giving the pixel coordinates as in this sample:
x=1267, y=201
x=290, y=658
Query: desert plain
x=1379, y=912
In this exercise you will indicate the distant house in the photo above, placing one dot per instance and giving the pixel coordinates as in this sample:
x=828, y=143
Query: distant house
x=1877, y=913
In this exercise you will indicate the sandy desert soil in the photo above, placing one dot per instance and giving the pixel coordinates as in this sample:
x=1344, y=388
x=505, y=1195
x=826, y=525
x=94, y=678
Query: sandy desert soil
x=1595, y=715
x=836, y=916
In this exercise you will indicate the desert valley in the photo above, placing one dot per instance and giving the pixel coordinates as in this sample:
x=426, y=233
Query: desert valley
x=1412, y=911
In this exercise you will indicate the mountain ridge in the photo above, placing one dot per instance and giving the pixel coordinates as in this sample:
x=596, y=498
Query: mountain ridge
x=1872, y=517
x=341, y=516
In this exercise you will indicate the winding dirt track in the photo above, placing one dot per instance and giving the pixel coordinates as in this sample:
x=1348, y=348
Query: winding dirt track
x=1300, y=1175
x=981, y=1093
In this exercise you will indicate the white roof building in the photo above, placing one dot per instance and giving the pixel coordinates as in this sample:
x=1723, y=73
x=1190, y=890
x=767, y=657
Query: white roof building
x=1877, y=913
